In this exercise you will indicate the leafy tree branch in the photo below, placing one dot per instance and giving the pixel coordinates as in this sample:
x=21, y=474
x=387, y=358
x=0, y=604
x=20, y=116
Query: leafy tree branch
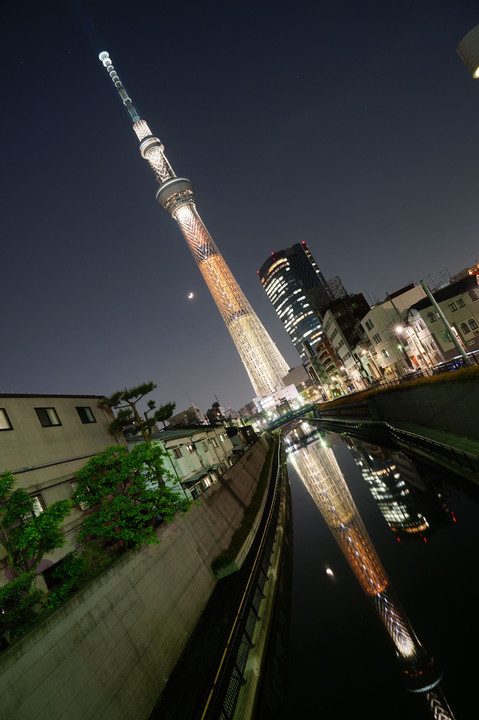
x=126, y=402
x=27, y=537
x=130, y=492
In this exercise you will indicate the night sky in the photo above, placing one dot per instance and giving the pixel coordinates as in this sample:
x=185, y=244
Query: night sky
x=351, y=126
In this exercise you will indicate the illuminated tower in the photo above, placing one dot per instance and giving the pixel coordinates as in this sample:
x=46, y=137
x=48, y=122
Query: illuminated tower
x=318, y=469
x=262, y=360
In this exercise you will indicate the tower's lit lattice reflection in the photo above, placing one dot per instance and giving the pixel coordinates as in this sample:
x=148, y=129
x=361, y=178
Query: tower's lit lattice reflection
x=320, y=472
x=317, y=467
x=263, y=362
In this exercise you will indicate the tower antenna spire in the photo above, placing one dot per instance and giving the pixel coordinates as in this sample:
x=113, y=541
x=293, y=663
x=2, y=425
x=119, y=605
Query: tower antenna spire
x=127, y=101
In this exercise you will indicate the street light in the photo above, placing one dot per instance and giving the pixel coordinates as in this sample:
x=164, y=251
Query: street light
x=468, y=50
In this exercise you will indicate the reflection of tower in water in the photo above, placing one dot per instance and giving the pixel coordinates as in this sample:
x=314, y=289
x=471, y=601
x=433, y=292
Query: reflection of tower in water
x=318, y=469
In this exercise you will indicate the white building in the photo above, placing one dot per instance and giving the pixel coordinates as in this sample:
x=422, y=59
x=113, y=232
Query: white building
x=44, y=441
x=397, y=352
x=196, y=456
x=459, y=304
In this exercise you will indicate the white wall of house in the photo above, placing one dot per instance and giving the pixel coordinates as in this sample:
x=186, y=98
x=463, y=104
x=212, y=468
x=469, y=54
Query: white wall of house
x=462, y=313
x=195, y=457
x=393, y=352
x=45, y=440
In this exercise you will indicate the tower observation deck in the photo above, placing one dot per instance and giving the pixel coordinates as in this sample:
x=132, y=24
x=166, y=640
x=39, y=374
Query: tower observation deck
x=263, y=362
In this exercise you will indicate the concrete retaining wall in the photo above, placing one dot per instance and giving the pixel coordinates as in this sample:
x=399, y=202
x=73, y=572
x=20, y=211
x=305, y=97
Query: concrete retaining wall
x=108, y=652
x=450, y=407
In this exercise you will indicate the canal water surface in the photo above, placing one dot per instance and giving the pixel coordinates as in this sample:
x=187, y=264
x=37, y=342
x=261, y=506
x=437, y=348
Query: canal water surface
x=385, y=585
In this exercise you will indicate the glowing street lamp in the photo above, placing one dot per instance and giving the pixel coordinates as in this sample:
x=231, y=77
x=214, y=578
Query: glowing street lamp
x=468, y=50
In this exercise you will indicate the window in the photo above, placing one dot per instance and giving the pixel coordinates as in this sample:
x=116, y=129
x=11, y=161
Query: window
x=86, y=415
x=81, y=505
x=432, y=317
x=48, y=416
x=177, y=452
x=452, y=307
x=369, y=324
x=191, y=448
x=38, y=504
x=460, y=303
x=472, y=324
x=5, y=423
x=385, y=353
x=465, y=328
x=377, y=338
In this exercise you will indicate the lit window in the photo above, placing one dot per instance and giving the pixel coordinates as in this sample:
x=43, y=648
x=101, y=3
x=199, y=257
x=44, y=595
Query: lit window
x=86, y=415
x=38, y=504
x=385, y=353
x=5, y=423
x=48, y=416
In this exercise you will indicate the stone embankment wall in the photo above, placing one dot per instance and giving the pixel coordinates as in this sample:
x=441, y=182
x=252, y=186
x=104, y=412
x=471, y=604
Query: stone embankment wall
x=450, y=407
x=107, y=653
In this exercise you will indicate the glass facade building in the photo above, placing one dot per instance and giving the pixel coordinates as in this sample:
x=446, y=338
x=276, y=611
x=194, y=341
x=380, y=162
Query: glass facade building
x=290, y=278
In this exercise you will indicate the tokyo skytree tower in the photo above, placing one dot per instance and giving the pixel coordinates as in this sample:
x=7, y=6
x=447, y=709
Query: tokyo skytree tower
x=317, y=467
x=263, y=362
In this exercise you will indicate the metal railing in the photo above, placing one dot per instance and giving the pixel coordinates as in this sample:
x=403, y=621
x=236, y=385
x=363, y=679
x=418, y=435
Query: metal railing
x=230, y=676
x=462, y=459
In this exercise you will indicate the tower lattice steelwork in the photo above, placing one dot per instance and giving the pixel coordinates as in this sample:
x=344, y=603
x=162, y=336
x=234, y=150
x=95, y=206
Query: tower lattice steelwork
x=263, y=362
x=318, y=469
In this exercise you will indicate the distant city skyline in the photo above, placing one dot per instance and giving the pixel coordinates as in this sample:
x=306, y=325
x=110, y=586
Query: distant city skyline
x=351, y=128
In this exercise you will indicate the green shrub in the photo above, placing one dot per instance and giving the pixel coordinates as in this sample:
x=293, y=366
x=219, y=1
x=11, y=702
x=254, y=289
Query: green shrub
x=19, y=602
x=75, y=571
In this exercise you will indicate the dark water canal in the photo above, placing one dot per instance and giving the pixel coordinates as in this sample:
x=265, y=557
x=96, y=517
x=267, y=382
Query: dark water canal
x=385, y=579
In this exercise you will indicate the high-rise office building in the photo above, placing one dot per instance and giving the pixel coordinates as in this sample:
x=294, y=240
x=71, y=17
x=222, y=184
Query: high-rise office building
x=262, y=360
x=288, y=277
